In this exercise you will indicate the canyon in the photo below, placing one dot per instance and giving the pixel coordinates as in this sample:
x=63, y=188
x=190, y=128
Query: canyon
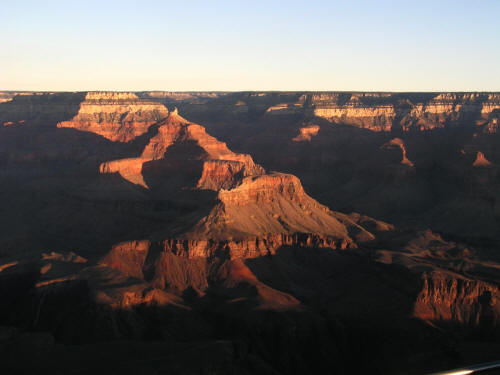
x=249, y=232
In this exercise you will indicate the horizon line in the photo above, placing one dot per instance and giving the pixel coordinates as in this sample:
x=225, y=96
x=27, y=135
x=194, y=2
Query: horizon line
x=252, y=91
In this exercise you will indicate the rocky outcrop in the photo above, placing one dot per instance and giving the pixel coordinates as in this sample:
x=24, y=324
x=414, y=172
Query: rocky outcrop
x=481, y=161
x=452, y=298
x=117, y=116
x=255, y=219
x=128, y=257
x=182, y=263
x=267, y=205
x=383, y=111
x=251, y=247
x=352, y=109
x=264, y=190
x=285, y=109
x=398, y=143
x=221, y=167
x=221, y=174
x=306, y=133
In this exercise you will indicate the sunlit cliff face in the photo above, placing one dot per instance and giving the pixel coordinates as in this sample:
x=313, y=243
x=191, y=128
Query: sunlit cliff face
x=380, y=112
x=306, y=133
x=481, y=160
x=116, y=116
x=220, y=165
x=372, y=111
x=398, y=143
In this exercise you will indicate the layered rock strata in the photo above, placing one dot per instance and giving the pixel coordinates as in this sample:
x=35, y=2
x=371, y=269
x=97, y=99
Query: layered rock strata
x=375, y=111
x=451, y=298
x=220, y=165
x=381, y=112
x=116, y=116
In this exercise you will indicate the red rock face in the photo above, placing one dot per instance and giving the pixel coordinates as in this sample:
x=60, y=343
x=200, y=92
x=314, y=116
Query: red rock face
x=249, y=247
x=221, y=167
x=354, y=111
x=270, y=204
x=380, y=112
x=451, y=298
x=306, y=133
x=116, y=116
x=481, y=160
x=398, y=142
x=264, y=189
x=221, y=174
x=128, y=257
x=183, y=263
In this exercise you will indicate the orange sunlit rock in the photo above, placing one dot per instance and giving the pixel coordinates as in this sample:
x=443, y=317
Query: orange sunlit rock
x=306, y=134
x=398, y=142
x=446, y=297
x=220, y=167
x=116, y=116
x=481, y=160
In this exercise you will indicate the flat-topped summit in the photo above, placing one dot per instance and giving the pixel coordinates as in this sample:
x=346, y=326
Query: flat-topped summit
x=117, y=116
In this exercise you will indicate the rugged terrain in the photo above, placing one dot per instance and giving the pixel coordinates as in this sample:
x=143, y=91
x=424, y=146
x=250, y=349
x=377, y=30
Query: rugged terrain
x=130, y=231
x=409, y=158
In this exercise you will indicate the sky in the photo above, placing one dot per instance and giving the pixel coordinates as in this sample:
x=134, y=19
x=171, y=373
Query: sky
x=437, y=45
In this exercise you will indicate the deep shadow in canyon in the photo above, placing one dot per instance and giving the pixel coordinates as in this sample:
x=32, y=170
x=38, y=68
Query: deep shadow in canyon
x=360, y=321
x=409, y=300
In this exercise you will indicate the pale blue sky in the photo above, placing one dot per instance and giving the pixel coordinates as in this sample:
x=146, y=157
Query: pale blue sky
x=250, y=45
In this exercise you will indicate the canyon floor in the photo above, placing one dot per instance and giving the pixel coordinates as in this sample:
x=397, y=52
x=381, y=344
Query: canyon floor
x=248, y=232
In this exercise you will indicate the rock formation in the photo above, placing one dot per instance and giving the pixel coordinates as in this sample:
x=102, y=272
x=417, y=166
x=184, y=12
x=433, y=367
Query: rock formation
x=481, y=160
x=398, y=142
x=306, y=133
x=372, y=111
x=351, y=109
x=153, y=235
x=220, y=166
x=116, y=116
x=451, y=298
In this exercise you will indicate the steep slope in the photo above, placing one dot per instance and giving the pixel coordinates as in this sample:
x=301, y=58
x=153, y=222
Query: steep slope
x=220, y=165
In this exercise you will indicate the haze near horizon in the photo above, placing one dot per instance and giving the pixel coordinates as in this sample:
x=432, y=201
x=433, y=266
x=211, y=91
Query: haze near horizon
x=228, y=46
